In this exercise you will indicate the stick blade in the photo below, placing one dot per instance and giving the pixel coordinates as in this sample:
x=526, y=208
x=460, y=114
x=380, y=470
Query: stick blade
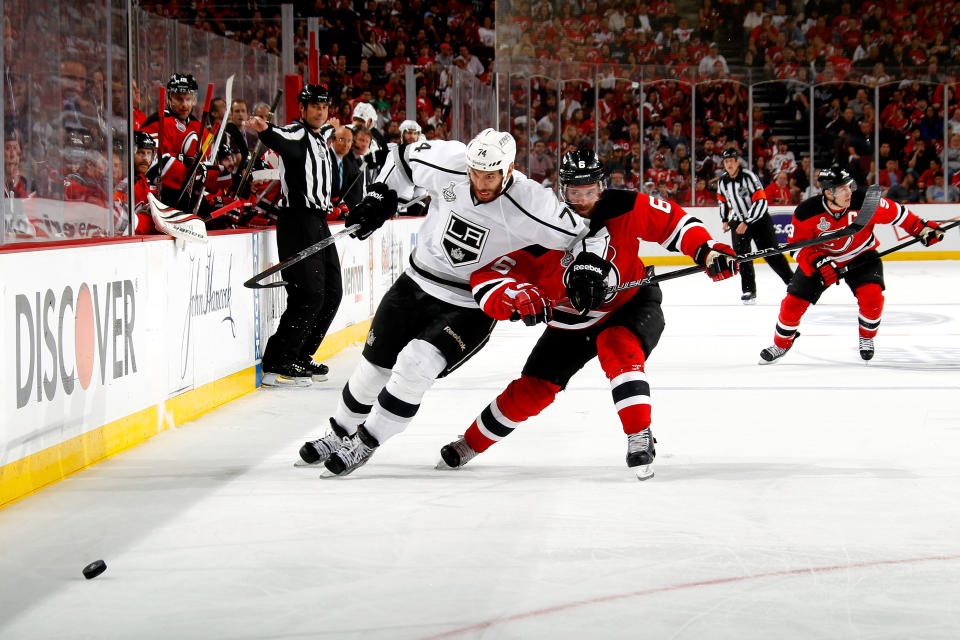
x=176, y=223
x=869, y=207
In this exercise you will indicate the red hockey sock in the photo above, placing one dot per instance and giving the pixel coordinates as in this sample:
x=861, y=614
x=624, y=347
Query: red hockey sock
x=523, y=398
x=791, y=310
x=870, y=299
x=621, y=356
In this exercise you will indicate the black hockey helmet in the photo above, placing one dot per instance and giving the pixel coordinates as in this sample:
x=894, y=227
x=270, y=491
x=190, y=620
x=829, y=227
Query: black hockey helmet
x=144, y=140
x=182, y=83
x=313, y=93
x=833, y=177
x=730, y=152
x=581, y=166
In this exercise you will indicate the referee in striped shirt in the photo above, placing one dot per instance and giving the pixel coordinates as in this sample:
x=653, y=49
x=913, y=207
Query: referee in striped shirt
x=745, y=214
x=315, y=287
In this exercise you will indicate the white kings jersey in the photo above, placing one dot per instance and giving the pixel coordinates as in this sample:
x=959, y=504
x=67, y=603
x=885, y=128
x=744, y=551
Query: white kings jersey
x=409, y=191
x=460, y=235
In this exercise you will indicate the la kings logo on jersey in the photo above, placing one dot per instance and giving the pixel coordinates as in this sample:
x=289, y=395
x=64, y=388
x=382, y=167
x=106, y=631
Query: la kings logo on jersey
x=463, y=241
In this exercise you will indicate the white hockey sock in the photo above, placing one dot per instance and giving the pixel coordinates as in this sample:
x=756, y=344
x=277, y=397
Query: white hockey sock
x=359, y=394
x=418, y=365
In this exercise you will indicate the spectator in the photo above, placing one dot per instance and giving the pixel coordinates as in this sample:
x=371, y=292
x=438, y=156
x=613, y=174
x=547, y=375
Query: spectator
x=953, y=154
x=906, y=191
x=707, y=65
x=541, y=162
x=778, y=192
x=473, y=64
x=345, y=171
x=891, y=175
x=617, y=178
x=938, y=193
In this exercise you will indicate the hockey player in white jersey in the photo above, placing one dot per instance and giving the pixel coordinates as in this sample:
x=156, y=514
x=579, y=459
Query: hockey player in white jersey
x=428, y=323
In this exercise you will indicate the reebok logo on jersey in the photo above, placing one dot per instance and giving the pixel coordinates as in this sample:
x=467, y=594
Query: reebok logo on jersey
x=452, y=334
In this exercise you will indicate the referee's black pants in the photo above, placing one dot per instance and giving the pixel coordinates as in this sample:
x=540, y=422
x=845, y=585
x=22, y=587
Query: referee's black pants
x=314, y=289
x=764, y=236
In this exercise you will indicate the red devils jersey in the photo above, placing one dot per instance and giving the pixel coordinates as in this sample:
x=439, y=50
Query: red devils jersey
x=812, y=218
x=179, y=137
x=631, y=219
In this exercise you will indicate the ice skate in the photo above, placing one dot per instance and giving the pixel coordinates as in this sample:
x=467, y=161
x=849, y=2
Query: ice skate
x=316, y=451
x=749, y=297
x=773, y=353
x=354, y=453
x=456, y=454
x=641, y=452
x=866, y=348
x=288, y=375
x=317, y=371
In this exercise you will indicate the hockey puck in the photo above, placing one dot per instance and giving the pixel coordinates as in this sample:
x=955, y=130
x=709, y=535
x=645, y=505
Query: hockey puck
x=94, y=569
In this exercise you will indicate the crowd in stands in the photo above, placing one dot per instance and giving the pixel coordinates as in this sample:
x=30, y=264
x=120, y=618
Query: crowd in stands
x=647, y=59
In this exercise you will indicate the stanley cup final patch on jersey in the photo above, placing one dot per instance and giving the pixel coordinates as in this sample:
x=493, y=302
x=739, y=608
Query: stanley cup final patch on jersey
x=448, y=193
x=463, y=241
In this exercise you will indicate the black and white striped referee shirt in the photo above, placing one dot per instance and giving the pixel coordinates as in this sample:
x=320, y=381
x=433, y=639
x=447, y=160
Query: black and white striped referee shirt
x=306, y=179
x=742, y=199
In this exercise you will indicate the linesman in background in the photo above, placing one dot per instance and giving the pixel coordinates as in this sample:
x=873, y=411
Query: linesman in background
x=746, y=215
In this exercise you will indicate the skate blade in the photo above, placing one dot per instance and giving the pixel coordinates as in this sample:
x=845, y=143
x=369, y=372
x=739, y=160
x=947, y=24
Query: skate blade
x=319, y=378
x=443, y=466
x=276, y=380
x=303, y=463
x=644, y=472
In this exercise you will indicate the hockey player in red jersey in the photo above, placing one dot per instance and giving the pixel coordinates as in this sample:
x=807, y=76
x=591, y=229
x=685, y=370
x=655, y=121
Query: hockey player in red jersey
x=854, y=258
x=181, y=130
x=143, y=158
x=621, y=328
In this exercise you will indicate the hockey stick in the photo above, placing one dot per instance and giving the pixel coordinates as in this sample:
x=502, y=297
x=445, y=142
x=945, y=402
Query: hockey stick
x=870, y=203
x=161, y=113
x=945, y=228
x=252, y=158
x=255, y=281
x=188, y=183
x=223, y=123
x=214, y=150
x=173, y=222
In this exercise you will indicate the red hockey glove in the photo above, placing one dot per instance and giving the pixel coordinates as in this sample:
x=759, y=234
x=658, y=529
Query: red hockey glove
x=719, y=260
x=827, y=269
x=927, y=232
x=525, y=302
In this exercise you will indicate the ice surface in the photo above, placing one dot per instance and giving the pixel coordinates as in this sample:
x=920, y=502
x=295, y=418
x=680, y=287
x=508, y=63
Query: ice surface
x=815, y=498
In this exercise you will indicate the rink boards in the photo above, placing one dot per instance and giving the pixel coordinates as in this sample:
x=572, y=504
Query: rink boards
x=107, y=345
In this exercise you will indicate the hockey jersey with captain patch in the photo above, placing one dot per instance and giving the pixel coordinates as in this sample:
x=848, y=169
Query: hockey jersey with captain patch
x=631, y=218
x=813, y=218
x=459, y=235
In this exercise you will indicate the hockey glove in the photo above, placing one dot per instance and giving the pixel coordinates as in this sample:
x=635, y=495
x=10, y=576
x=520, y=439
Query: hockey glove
x=927, y=232
x=827, y=270
x=379, y=205
x=525, y=302
x=587, y=281
x=719, y=260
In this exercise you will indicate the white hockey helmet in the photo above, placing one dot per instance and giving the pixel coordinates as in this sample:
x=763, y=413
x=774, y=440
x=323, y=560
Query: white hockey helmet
x=492, y=150
x=365, y=111
x=409, y=125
